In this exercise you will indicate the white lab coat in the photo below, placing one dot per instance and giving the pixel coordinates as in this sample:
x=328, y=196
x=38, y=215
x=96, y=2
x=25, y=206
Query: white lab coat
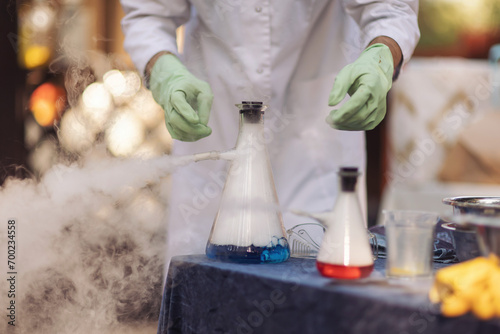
x=285, y=53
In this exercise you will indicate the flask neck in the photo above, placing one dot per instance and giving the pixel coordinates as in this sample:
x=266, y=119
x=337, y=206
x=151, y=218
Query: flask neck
x=251, y=125
x=348, y=178
x=251, y=117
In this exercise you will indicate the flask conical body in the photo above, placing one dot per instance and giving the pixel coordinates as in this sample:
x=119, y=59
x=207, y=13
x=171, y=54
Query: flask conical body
x=249, y=225
x=345, y=251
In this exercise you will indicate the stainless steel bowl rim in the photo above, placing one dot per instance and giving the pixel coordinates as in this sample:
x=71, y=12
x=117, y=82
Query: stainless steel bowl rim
x=474, y=201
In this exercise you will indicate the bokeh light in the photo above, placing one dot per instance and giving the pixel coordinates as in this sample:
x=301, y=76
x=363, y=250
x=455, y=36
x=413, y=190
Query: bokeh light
x=47, y=103
x=43, y=156
x=32, y=132
x=132, y=83
x=146, y=108
x=36, y=41
x=75, y=135
x=116, y=116
x=123, y=86
x=125, y=134
x=42, y=17
x=115, y=82
x=97, y=104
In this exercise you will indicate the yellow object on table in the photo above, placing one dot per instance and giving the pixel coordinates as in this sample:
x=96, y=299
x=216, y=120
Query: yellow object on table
x=469, y=286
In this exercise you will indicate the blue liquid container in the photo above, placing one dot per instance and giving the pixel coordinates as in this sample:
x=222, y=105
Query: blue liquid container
x=273, y=253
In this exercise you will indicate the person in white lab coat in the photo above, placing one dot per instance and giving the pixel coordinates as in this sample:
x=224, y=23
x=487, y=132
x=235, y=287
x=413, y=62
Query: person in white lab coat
x=287, y=54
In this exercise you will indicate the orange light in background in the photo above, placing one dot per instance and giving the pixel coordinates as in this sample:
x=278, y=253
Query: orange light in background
x=47, y=103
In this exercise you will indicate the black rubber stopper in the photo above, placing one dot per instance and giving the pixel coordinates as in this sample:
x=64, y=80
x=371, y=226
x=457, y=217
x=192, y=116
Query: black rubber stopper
x=252, y=110
x=348, y=178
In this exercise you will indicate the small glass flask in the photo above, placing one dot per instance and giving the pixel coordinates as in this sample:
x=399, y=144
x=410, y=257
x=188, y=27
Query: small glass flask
x=249, y=226
x=345, y=251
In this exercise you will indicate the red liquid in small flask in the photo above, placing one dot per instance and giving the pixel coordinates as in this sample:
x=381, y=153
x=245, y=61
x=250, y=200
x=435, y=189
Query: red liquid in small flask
x=345, y=251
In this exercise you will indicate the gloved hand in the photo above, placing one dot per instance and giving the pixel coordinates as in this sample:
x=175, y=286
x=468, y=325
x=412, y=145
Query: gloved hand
x=367, y=81
x=185, y=99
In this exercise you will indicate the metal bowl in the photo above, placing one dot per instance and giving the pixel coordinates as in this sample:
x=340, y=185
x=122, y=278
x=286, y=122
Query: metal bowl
x=487, y=230
x=465, y=236
x=482, y=205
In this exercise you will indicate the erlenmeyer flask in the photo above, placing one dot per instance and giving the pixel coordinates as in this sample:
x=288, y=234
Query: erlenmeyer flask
x=345, y=251
x=249, y=225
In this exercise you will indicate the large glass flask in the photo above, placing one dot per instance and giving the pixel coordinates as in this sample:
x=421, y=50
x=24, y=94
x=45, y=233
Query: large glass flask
x=345, y=251
x=249, y=225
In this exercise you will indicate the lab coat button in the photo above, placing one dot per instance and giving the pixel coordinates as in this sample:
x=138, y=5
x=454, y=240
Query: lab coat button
x=258, y=9
x=260, y=70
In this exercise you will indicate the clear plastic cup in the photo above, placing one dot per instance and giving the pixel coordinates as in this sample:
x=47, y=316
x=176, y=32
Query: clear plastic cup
x=409, y=238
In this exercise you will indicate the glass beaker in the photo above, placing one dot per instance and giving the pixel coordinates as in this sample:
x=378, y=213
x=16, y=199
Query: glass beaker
x=409, y=238
x=249, y=225
x=345, y=251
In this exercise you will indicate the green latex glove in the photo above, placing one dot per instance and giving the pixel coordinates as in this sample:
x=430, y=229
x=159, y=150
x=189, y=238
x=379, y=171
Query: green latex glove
x=185, y=99
x=367, y=81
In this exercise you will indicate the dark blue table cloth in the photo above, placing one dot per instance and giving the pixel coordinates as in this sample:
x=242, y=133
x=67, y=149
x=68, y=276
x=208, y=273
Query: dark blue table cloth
x=206, y=296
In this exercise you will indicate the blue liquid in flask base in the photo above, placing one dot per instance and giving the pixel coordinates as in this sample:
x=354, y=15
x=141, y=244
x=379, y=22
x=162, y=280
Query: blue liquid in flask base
x=275, y=252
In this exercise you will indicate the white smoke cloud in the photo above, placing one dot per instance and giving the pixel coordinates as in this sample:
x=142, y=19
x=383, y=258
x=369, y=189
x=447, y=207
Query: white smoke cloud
x=90, y=240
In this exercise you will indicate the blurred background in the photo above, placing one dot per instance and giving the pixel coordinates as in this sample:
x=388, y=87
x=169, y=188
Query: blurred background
x=50, y=45
x=69, y=91
x=67, y=85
